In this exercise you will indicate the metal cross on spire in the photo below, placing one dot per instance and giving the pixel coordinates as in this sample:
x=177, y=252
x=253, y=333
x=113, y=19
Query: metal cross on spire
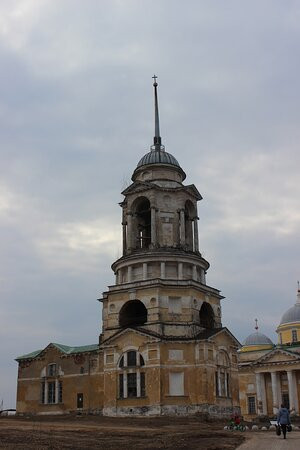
x=157, y=138
x=298, y=293
x=256, y=326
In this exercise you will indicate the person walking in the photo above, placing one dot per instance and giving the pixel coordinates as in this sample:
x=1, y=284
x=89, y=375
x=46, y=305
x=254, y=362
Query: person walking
x=283, y=419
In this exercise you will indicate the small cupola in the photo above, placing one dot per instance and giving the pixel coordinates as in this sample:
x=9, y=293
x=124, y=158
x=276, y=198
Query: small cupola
x=256, y=341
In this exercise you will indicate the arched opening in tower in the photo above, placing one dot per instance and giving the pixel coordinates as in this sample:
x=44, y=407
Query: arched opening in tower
x=206, y=315
x=142, y=215
x=132, y=314
x=189, y=215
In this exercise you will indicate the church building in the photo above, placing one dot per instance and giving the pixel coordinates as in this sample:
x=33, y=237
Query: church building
x=270, y=374
x=162, y=349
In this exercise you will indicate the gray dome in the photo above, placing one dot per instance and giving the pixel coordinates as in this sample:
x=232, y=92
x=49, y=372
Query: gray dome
x=158, y=157
x=292, y=315
x=257, y=339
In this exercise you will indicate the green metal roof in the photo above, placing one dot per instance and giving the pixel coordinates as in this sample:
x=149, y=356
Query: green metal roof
x=66, y=349
x=29, y=355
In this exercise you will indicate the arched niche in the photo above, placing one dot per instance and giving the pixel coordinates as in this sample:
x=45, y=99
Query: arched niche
x=206, y=316
x=133, y=313
x=189, y=215
x=142, y=222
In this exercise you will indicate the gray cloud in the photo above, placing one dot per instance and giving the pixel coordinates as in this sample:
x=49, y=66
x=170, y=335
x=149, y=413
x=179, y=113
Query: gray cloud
x=76, y=116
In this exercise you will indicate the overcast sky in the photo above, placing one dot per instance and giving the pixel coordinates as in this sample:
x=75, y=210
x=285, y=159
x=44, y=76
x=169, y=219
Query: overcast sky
x=76, y=115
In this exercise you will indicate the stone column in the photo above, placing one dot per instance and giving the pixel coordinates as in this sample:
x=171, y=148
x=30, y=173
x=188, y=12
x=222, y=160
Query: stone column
x=196, y=237
x=182, y=227
x=145, y=271
x=119, y=276
x=274, y=380
x=260, y=393
x=153, y=226
x=195, y=273
x=162, y=270
x=56, y=390
x=129, y=274
x=129, y=231
x=202, y=276
x=124, y=237
x=138, y=383
x=180, y=271
x=263, y=395
x=293, y=395
x=219, y=384
x=125, y=384
x=46, y=392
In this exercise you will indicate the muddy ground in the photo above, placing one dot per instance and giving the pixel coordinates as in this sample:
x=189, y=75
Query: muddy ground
x=90, y=432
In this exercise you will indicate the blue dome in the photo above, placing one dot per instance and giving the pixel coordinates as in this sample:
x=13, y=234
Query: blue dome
x=291, y=315
x=257, y=339
x=158, y=157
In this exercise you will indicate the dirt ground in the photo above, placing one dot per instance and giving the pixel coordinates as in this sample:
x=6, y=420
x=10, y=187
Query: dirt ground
x=93, y=432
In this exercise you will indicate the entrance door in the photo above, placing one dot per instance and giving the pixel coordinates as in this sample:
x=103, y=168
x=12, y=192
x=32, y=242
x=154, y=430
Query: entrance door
x=79, y=401
x=286, y=400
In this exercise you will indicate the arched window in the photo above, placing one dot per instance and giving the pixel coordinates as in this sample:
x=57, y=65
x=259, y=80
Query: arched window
x=222, y=375
x=206, y=315
x=142, y=223
x=132, y=314
x=131, y=376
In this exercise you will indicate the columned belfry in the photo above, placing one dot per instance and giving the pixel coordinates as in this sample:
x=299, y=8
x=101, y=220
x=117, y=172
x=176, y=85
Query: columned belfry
x=161, y=243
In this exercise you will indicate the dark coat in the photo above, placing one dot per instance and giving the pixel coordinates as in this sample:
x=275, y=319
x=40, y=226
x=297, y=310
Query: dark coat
x=283, y=416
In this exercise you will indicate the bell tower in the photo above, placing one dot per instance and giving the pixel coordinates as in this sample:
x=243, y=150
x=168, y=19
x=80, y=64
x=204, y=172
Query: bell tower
x=161, y=277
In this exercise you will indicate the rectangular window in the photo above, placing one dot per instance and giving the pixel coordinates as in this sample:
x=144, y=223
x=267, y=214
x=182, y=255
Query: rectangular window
x=51, y=392
x=60, y=392
x=280, y=337
x=131, y=359
x=294, y=336
x=251, y=405
x=121, y=386
x=131, y=385
x=210, y=354
x=227, y=385
x=51, y=370
x=143, y=385
x=176, y=383
x=43, y=392
x=217, y=384
x=222, y=382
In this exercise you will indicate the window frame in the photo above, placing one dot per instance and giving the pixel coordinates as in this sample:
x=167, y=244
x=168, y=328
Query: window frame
x=251, y=404
x=51, y=395
x=52, y=370
x=131, y=379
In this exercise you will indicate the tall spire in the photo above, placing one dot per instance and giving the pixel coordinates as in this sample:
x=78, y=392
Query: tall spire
x=298, y=294
x=157, y=139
